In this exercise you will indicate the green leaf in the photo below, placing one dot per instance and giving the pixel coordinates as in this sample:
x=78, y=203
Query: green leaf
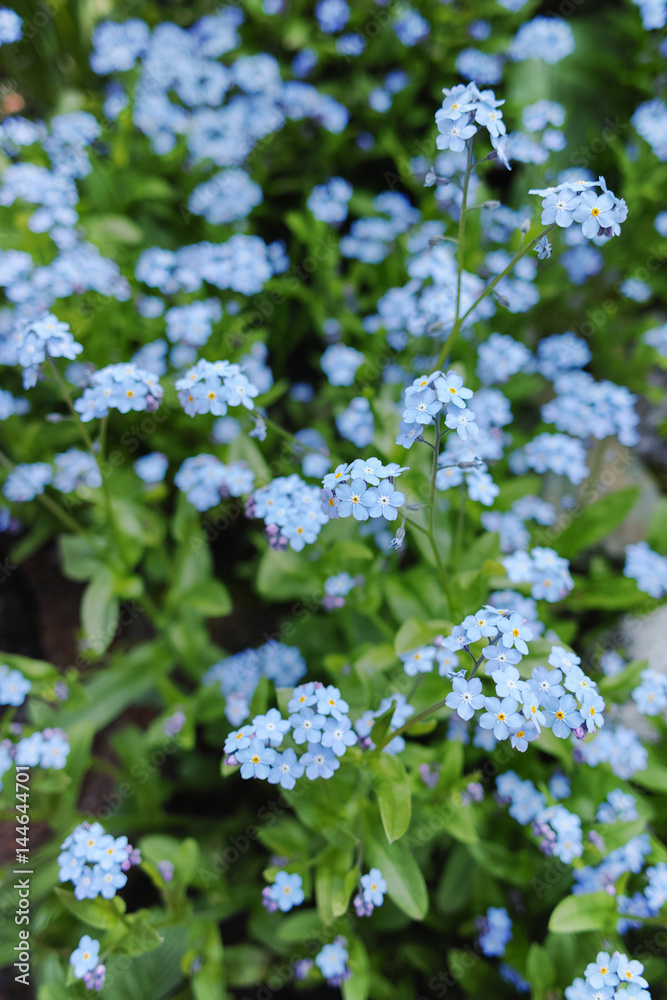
x=210, y=598
x=99, y=612
x=654, y=776
x=594, y=523
x=595, y=911
x=246, y=964
x=108, y=232
x=405, y=882
x=140, y=936
x=332, y=869
x=80, y=559
x=622, y=684
x=381, y=726
x=208, y=982
x=103, y=913
x=284, y=575
x=34, y=670
x=358, y=986
x=455, y=886
x=496, y=859
x=540, y=971
x=415, y=633
x=392, y=787
x=610, y=594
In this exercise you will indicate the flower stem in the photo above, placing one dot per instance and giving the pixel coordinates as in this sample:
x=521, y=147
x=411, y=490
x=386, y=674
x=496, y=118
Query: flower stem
x=521, y=252
x=413, y=720
x=46, y=500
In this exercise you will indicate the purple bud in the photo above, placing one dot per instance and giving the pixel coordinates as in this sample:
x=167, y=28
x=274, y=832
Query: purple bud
x=579, y=732
x=302, y=968
x=267, y=899
x=166, y=870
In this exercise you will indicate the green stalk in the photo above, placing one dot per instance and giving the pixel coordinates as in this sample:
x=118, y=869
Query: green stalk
x=521, y=252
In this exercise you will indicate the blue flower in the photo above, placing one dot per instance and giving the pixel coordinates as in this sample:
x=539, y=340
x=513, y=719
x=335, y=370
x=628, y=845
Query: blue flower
x=559, y=207
x=285, y=769
x=287, y=891
x=602, y=972
x=270, y=728
x=463, y=422
x=500, y=716
x=373, y=887
x=384, y=500
x=421, y=407
x=320, y=762
x=561, y=715
x=354, y=499
x=86, y=956
x=107, y=881
x=521, y=736
x=595, y=212
x=453, y=134
x=547, y=682
x=338, y=735
x=543, y=249
x=515, y=633
x=256, y=760
x=329, y=702
x=499, y=657
x=591, y=710
x=508, y=683
x=465, y=697
x=307, y=726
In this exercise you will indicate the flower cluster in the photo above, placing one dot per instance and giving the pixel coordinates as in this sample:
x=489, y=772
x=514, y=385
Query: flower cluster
x=617, y=746
x=557, y=453
x=336, y=589
x=362, y=489
x=318, y=718
x=427, y=398
x=13, y=686
x=619, y=805
x=237, y=676
x=610, y=977
x=646, y=567
x=123, y=387
x=41, y=338
x=86, y=965
x=95, y=862
x=650, y=696
x=510, y=524
x=543, y=701
x=600, y=215
x=495, y=931
x=290, y=510
x=328, y=202
x=546, y=572
x=213, y=386
x=205, y=480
